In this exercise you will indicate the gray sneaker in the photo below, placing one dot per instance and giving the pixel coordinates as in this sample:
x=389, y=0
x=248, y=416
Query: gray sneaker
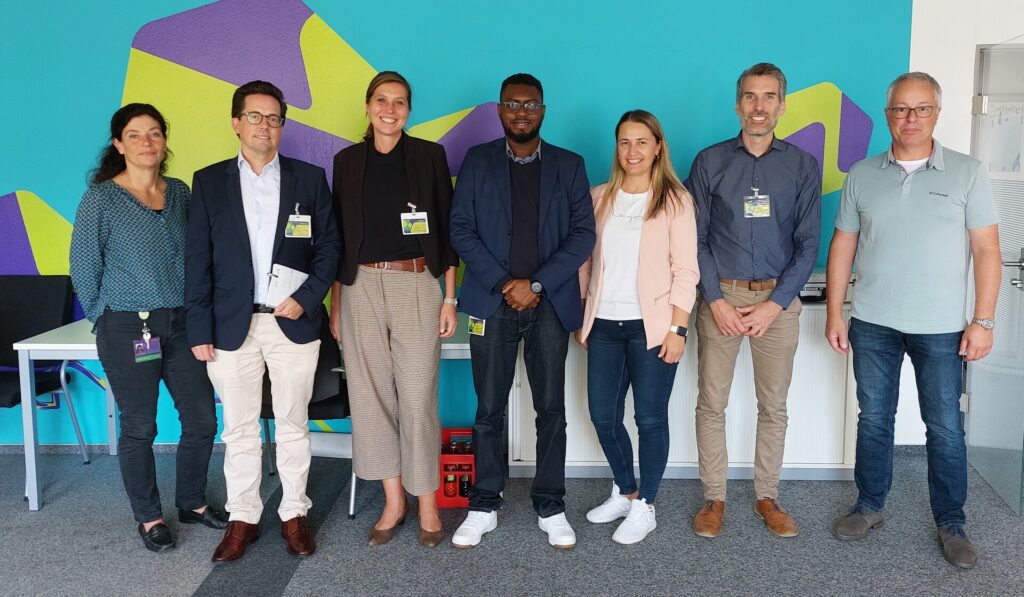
x=857, y=523
x=956, y=547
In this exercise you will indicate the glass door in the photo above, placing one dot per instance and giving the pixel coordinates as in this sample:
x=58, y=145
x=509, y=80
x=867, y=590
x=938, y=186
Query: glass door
x=995, y=385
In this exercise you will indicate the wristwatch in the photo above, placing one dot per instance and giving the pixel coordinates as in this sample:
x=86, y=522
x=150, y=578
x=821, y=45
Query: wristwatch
x=536, y=287
x=988, y=324
x=451, y=301
x=678, y=329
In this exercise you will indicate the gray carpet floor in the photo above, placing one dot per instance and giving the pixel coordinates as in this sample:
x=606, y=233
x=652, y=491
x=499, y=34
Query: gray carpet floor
x=83, y=542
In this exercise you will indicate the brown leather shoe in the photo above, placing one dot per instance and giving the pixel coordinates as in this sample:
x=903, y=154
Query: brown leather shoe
x=237, y=537
x=708, y=522
x=382, y=536
x=775, y=518
x=431, y=538
x=296, y=534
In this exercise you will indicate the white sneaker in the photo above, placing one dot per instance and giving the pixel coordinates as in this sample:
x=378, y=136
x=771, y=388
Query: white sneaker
x=560, y=534
x=473, y=528
x=638, y=524
x=613, y=508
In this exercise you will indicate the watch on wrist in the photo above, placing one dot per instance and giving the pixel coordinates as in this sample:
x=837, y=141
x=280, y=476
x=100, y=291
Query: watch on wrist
x=678, y=329
x=988, y=324
x=451, y=301
x=536, y=287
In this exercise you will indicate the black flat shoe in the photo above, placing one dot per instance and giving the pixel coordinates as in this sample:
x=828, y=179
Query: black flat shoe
x=157, y=538
x=210, y=517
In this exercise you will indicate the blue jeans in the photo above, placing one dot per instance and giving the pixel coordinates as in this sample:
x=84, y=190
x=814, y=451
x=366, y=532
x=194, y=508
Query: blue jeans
x=545, y=344
x=877, y=358
x=617, y=357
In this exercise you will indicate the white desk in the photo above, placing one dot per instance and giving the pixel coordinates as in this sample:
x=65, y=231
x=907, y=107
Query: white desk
x=74, y=341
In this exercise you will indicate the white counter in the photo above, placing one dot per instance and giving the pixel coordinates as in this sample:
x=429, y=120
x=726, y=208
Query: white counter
x=822, y=409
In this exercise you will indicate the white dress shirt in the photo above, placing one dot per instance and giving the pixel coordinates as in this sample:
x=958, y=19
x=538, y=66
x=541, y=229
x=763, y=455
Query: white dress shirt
x=261, y=200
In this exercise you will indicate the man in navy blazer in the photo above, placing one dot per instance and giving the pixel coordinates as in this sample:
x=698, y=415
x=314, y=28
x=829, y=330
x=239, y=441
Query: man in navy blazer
x=251, y=216
x=523, y=221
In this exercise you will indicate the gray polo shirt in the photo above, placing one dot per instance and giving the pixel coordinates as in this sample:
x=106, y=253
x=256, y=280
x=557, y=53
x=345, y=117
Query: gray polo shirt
x=913, y=251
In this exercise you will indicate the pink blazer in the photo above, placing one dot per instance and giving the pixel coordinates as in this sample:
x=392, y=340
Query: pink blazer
x=668, y=271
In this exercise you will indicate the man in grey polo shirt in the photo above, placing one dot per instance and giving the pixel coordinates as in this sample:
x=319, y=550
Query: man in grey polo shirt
x=913, y=217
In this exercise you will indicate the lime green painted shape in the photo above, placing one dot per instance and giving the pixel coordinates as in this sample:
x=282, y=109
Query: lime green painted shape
x=432, y=130
x=337, y=77
x=195, y=106
x=818, y=103
x=49, y=234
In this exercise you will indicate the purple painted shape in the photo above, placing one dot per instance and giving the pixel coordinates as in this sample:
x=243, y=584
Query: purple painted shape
x=236, y=41
x=16, y=258
x=854, y=134
x=312, y=145
x=811, y=139
x=479, y=126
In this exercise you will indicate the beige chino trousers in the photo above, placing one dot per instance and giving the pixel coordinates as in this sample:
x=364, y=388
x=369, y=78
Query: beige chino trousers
x=237, y=375
x=772, y=356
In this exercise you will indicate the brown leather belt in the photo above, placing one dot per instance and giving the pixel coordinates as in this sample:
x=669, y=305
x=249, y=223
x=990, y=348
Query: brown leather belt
x=755, y=285
x=416, y=265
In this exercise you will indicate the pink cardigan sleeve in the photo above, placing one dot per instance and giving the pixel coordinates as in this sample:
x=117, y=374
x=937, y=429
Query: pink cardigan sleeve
x=683, y=254
x=586, y=268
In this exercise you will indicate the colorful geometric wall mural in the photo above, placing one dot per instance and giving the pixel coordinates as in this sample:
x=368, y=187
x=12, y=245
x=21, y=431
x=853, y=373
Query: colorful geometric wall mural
x=189, y=63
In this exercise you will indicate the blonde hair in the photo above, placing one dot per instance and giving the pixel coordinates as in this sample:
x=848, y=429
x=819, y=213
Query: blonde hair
x=666, y=189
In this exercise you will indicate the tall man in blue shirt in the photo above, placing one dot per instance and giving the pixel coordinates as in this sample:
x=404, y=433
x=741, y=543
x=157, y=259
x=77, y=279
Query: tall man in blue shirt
x=758, y=230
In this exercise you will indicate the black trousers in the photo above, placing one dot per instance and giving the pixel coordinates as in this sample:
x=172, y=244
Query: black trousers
x=136, y=387
x=494, y=355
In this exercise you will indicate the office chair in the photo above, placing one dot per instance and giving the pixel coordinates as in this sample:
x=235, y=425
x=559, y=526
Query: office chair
x=31, y=305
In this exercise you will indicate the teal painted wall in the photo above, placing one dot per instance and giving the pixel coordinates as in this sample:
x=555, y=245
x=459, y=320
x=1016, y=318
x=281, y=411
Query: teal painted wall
x=65, y=66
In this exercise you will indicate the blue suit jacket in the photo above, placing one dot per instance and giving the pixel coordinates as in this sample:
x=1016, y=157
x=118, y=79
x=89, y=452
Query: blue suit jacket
x=219, y=279
x=481, y=228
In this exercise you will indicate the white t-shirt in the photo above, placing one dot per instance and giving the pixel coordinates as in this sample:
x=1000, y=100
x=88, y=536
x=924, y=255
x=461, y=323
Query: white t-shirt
x=620, y=250
x=911, y=166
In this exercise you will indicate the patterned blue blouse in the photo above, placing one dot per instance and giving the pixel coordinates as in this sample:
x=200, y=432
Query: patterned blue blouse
x=126, y=257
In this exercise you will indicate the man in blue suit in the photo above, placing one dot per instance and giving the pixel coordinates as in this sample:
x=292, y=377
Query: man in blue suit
x=254, y=218
x=523, y=221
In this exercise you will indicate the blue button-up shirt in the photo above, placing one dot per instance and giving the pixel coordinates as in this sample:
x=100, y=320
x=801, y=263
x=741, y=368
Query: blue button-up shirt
x=731, y=246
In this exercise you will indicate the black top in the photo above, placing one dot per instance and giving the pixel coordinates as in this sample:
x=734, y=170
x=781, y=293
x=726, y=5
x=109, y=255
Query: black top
x=524, y=256
x=385, y=197
x=429, y=185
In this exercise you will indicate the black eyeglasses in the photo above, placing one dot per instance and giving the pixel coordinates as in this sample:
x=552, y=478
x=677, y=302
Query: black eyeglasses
x=512, y=107
x=900, y=112
x=256, y=117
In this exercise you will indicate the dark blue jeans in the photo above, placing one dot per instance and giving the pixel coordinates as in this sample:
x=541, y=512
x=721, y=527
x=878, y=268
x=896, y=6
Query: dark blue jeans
x=878, y=353
x=617, y=357
x=136, y=388
x=494, y=361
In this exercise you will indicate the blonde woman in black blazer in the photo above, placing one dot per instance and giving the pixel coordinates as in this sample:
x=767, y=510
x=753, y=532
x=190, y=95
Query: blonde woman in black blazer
x=392, y=197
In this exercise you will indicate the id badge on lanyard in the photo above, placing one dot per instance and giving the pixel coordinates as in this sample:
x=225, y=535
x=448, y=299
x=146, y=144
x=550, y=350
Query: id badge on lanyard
x=757, y=205
x=146, y=348
x=299, y=226
x=414, y=222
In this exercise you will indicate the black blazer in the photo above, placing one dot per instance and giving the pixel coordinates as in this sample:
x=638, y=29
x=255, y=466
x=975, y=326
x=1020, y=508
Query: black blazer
x=430, y=190
x=219, y=284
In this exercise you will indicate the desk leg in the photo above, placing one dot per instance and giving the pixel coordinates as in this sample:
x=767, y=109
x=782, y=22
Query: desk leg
x=28, y=418
x=111, y=420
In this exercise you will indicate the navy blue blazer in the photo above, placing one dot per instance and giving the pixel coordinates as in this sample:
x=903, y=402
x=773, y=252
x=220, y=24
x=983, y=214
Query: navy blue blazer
x=481, y=228
x=219, y=279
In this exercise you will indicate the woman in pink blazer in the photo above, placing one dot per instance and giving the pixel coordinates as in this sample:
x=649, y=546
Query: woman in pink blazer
x=638, y=289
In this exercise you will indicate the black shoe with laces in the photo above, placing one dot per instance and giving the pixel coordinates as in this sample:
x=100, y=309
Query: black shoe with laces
x=157, y=538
